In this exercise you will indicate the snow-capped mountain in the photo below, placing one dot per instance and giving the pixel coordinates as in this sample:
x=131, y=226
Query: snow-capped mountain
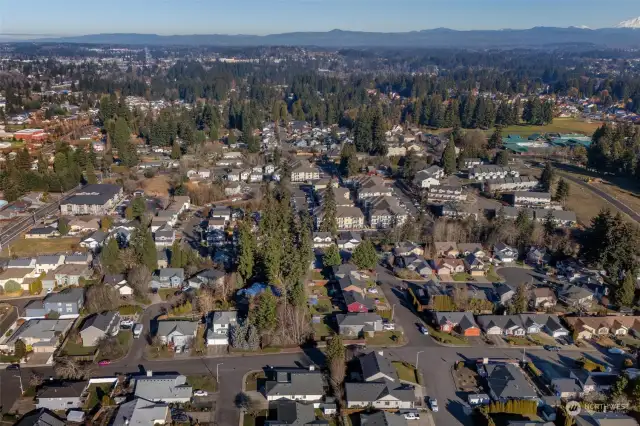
x=631, y=23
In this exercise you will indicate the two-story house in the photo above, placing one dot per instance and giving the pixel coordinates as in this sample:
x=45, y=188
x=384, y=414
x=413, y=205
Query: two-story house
x=167, y=278
x=179, y=334
x=220, y=327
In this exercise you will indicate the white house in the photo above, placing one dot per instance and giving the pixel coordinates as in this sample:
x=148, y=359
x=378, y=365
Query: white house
x=221, y=324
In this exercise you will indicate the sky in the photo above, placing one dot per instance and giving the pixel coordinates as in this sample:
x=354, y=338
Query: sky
x=166, y=17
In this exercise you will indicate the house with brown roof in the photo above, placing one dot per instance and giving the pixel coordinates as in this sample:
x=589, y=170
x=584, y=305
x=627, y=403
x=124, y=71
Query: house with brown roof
x=446, y=249
x=588, y=327
x=448, y=267
x=543, y=297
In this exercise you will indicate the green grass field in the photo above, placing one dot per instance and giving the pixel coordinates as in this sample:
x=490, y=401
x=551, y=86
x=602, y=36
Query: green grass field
x=29, y=248
x=206, y=383
x=405, y=371
x=559, y=125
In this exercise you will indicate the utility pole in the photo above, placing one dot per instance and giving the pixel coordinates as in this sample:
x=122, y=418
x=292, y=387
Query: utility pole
x=20, y=377
x=393, y=311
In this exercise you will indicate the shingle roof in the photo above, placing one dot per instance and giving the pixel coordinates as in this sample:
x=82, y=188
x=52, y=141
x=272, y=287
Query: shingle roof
x=41, y=417
x=373, y=363
x=295, y=381
x=62, y=390
x=372, y=391
x=506, y=381
x=382, y=418
x=160, y=387
x=101, y=321
x=94, y=194
x=66, y=296
x=186, y=328
x=140, y=412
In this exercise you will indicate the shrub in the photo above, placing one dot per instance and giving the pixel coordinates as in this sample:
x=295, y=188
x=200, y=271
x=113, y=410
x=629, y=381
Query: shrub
x=534, y=369
x=12, y=287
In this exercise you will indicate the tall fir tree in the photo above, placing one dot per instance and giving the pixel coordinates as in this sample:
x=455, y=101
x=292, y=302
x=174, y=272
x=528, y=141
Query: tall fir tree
x=449, y=158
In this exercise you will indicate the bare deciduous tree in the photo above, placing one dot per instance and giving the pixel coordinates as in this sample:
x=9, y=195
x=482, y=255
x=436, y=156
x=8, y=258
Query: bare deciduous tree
x=102, y=297
x=139, y=278
x=68, y=368
x=206, y=301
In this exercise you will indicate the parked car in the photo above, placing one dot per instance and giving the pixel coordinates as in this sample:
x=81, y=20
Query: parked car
x=616, y=351
x=388, y=326
x=433, y=403
x=127, y=323
x=423, y=329
x=200, y=393
x=13, y=367
x=552, y=348
x=412, y=416
x=104, y=362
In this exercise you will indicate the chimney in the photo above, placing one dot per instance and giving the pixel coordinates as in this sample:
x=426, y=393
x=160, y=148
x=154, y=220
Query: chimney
x=312, y=368
x=149, y=373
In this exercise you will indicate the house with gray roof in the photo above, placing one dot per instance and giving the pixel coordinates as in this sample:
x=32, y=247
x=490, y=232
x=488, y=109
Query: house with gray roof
x=358, y=324
x=167, y=278
x=508, y=325
x=40, y=417
x=97, y=326
x=168, y=388
x=294, y=413
x=208, y=277
x=78, y=259
x=221, y=325
x=67, y=303
x=383, y=394
x=375, y=367
x=140, y=412
x=95, y=240
x=22, y=263
x=165, y=236
x=71, y=274
x=179, y=334
x=296, y=384
x=382, y=418
x=48, y=263
x=507, y=381
x=575, y=296
x=43, y=334
x=61, y=396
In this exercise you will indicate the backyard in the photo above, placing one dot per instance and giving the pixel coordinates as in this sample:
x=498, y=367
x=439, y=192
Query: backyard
x=96, y=392
x=76, y=349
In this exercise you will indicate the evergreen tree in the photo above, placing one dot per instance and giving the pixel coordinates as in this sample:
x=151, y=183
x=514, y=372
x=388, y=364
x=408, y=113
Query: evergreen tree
x=247, y=247
x=331, y=257
x=329, y=222
x=348, y=160
x=449, y=158
x=562, y=191
x=264, y=316
x=495, y=141
x=547, y=177
x=110, y=257
x=365, y=256
x=138, y=207
x=63, y=226
x=624, y=293
x=549, y=225
x=176, y=153
x=502, y=158
x=176, y=255
x=90, y=173
x=23, y=160
x=20, y=349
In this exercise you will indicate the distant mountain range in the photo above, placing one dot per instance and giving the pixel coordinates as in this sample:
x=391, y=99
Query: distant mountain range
x=623, y=37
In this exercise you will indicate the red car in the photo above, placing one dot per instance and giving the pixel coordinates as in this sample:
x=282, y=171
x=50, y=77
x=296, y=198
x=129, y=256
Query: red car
x=104, y=362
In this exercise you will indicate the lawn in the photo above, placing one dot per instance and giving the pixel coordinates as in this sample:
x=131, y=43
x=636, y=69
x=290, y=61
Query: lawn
x=385, y=338
x=622, y=189
x=519, y=341
x=251, y=384
x=207, y=383
x=406, y=371
x=493, y=276
x=543, y=339
x=96, y=392
x=446, y=337
x=124, y=338
x=76, y=349
x=30, y=248
x=630, y=341
x=130, y=309
x=166, y=293
x=462, y=276
x=323, y=306
x=559, y=125
x=321, y=331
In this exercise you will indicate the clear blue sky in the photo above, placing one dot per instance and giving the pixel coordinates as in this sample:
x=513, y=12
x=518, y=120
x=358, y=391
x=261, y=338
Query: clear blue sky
x=71, y=17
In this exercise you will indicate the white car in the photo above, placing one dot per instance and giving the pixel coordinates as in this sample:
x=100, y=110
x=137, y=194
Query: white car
x=200, y=393
x=372, y=290
x=616, y=351
x=127, y=323
x=412, y=416
x=389, y=326
x=434, y=404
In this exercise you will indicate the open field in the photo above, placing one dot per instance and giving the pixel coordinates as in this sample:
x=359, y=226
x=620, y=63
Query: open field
x=157, y=185
x=585, y=203
x=559, y=125
x=28, y=247
x=622, y=190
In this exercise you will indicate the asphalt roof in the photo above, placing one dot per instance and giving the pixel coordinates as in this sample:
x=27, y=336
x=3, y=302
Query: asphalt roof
x=140, y=412
x=157, y=388
x=507, y=381
x=372, y=391
x=373, y=363
x=41, y=417
x=94, y=194
x=62, y=390
x=66, y=295
x=101, y=321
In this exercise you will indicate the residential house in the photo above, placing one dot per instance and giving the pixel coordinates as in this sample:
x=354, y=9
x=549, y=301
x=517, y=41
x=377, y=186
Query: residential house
x=538, y=256
x=66, y=303
x=505, y=293
x=447, y=267
x=19, y=275
x=474, y=265
x=98, y=326
x=41, y=417
x=167, y=278
x=168, y=388
x=446, y=193
x=492, y=172
x=177, y=333
x=510, y=184
x=385, y=212
x=358, y=324
x=71, y=275
x=294, y=413
x=428, y=177
x=465, y=249
x=233, y=188
x=416, y=264
x=371, y=187
x=94, y=241
x=561, y=218
x=384, y=395
x=165, y=236
x=543, y=298
x=356, y=302
x=141, y=412
x=208, y=277
x=446, y=249
x=42, y=334
x=508, y=325
x=505, y=253
x=22, y=263
x=352, y=282
x=526, y=198
x=302, y=171
x=375, y=367
x=119, y=282
x=611, y=418
x=405, y=248
x=382, y=418
x=220, y=327
x=78, y=259
x=507, y=381
x=322, y=239
x=223, y=213
x=574, y=296
x=48, y=263
x=349, y=240
x=587, y=327
x=80, y=226
x=295, y=384
x=61, y=396
x=460, y=322
x=42, y=232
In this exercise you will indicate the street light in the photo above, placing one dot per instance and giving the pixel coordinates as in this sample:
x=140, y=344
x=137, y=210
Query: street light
x=217, y=365
x=393, y=311
x=418, y=353
x=21, y=388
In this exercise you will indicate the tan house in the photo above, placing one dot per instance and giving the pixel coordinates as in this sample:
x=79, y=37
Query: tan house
x=542, y=298
x=446, y=249
x=589, y=327
x=349, y=217
x=449, y=266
